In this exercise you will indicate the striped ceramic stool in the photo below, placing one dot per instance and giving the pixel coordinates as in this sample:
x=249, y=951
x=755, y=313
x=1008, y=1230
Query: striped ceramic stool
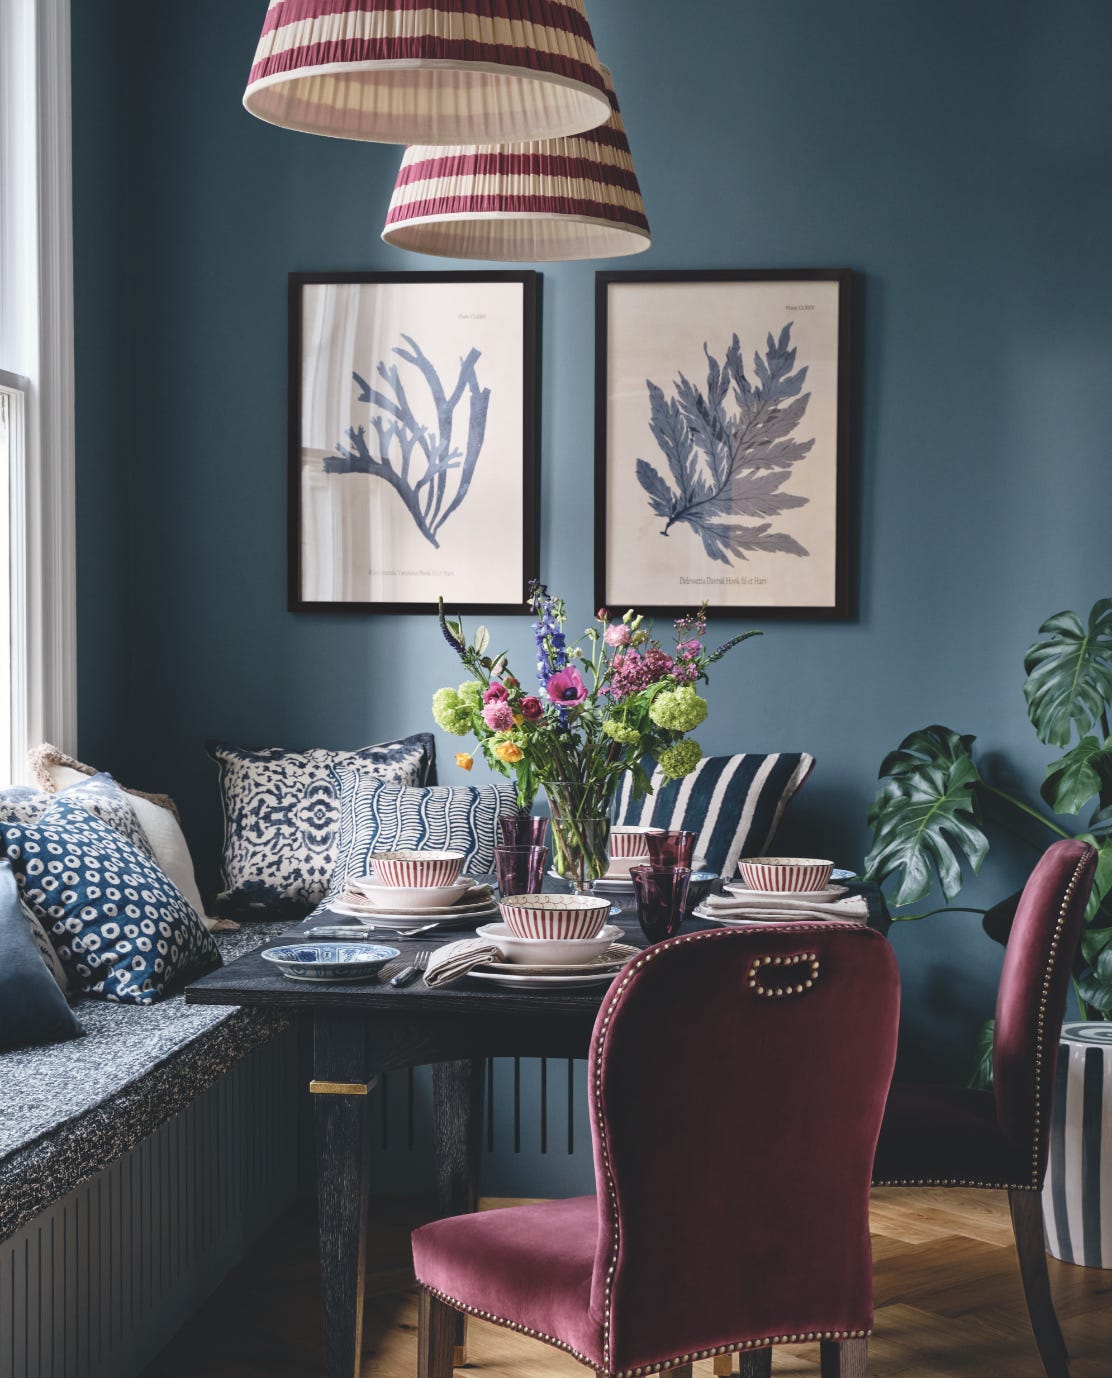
x=1077, y=1213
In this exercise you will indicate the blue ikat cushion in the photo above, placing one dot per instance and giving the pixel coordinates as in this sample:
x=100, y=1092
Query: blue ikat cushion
x=733, y=803
x=282, y=816
x=377, y=817
x=122, y=929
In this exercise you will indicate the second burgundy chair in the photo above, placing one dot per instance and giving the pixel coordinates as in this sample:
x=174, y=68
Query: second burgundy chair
x=737, y=1081
x=947, y=1136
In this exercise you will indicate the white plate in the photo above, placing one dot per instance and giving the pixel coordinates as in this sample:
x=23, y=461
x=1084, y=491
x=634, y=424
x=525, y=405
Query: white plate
x=613, y=959
x=577, y=981
x=405, y=899
x=402, y=922
x=742, y=891
x=768, y=916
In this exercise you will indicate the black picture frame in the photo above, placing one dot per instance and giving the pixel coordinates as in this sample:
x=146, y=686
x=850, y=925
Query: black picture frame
x=622, y=590
x=516, y=580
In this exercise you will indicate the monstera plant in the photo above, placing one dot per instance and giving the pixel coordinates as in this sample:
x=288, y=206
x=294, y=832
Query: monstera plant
x=935, y=810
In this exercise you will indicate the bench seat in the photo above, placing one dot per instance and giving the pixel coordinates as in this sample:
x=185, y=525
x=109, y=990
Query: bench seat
x=69, y=1109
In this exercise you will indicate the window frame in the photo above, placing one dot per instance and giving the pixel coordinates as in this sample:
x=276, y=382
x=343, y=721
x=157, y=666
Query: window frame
x=36, y=359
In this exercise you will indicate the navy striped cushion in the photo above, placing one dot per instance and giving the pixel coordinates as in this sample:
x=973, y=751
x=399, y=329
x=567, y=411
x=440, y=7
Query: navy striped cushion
x=734, y=803
x=379, y=817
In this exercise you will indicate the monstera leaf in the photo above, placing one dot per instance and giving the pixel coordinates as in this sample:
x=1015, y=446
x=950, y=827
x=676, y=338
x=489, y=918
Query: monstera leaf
x=925, y=813
x=1095, y=987
x=1069, y=674
x=1079, y=776
x=998, y=920
x=980, y=1076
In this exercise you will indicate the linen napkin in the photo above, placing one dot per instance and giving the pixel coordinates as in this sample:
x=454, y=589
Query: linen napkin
x=452, y=962
x=855, y=908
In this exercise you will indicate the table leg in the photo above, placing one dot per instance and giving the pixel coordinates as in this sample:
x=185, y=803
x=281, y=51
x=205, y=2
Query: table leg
x=458, y=1111
x=340, y=1085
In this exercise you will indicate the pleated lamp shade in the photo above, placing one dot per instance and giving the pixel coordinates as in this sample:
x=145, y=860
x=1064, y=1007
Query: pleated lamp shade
x=547, y=201
x=428, y=71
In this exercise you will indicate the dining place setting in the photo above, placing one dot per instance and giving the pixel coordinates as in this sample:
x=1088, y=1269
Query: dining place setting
x=517, y=934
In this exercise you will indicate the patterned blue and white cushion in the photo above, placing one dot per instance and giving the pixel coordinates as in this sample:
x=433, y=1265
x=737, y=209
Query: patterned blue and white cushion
x=282, y=813
x=99, y=794
x=734, y=803
x=377, y=817
x=123, y=931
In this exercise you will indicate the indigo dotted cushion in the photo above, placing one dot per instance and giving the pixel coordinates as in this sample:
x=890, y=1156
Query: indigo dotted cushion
x=377, y=817
x=282, y=813
x=734, y=803
x=99, y=794
x=123, y=931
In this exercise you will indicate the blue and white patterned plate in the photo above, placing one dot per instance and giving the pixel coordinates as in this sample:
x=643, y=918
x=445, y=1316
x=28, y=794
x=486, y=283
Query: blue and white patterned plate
x=330, y=961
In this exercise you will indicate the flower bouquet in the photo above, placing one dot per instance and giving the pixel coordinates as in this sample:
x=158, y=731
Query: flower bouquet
x=600, y=706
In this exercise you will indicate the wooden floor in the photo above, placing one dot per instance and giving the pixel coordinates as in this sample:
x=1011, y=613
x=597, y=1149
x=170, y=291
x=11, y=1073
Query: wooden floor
x=947, y=1290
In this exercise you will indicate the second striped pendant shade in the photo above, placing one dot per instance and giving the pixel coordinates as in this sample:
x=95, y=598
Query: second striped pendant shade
x=547, y=201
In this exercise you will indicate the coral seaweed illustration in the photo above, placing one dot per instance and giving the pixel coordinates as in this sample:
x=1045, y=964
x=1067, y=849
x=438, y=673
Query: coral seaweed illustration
x=428, y=473
x=726, y=466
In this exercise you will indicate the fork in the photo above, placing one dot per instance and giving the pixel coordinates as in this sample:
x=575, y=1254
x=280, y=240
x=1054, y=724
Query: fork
x=409, y=974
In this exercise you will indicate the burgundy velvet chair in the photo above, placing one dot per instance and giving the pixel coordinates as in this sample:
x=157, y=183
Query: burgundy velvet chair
x=737, y=1083
x=944, y=1136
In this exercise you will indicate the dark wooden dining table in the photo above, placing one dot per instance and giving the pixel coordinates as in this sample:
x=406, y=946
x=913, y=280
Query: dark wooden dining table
x=362, y=1031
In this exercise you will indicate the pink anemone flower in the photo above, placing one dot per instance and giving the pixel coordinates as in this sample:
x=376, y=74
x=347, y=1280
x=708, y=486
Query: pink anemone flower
x=566, y=687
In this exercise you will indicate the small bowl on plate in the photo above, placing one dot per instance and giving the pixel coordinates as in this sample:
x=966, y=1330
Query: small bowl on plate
x=555, y=916
x=415, y=870
x=409, y=897
x=549, y=952
x=628, y=841
x=330, y=961
x=785, y=875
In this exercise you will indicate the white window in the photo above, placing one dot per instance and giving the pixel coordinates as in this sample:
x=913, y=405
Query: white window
x=37, y=577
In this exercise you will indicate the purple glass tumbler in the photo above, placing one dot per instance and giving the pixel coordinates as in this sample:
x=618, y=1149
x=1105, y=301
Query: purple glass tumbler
x=670, y=849
x=661, y=899
x=523, y=830
x=520, y=870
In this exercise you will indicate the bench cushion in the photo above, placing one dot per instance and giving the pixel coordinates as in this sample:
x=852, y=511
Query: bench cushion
x=70, y=1109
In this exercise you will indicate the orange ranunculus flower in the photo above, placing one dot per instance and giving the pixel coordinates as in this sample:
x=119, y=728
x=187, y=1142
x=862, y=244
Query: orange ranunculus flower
x=519, y=718
x=464, y=760
x=509, y=752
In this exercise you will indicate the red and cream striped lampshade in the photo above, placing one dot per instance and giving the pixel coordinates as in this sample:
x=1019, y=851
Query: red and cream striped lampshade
x=523, y=202
x=428, y=71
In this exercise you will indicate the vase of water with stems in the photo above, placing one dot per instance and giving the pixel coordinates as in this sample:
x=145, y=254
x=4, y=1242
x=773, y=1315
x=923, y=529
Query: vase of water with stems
x=580, y=835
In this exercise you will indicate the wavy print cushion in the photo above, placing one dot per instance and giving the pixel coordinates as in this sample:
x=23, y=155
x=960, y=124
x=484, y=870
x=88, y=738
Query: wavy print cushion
x=282, y=814
x=100, y=794
x=122, y=930
x=734, y=803
x=376, y=817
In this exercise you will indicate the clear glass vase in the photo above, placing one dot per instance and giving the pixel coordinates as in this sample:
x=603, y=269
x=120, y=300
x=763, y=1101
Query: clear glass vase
x=580, y=836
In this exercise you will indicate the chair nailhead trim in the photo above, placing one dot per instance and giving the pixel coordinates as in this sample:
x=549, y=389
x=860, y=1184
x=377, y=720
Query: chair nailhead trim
x=1040, y=1025
x=777, y=988
x=807, y=1337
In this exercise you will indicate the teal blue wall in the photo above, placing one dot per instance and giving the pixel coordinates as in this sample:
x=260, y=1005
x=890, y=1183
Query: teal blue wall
x=955, y=155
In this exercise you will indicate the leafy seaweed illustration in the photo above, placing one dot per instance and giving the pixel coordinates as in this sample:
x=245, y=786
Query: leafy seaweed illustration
x=730, y=465
x=429, y=474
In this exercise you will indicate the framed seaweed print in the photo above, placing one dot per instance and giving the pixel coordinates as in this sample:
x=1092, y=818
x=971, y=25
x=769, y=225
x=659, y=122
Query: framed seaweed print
x=412, y=465
x=721, y=424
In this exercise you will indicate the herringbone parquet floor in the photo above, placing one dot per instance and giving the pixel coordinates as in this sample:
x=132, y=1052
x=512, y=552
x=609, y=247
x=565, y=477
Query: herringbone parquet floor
x=948, y=1295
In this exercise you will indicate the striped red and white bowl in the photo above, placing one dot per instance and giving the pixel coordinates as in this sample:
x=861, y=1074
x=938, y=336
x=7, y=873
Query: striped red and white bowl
x=415, y=869
x=554, y=916
x=630, y=841
x=789, y=875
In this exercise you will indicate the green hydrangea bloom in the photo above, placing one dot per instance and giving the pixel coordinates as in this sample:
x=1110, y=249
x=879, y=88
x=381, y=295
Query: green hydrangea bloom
x=450, y=712
x=471, y=693
x=678, y=710
x=680, y=760
x=621, y=732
